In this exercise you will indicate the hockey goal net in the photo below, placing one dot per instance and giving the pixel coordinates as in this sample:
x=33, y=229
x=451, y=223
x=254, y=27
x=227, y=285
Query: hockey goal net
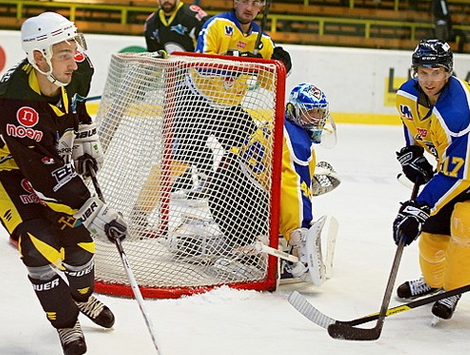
x=193, y=149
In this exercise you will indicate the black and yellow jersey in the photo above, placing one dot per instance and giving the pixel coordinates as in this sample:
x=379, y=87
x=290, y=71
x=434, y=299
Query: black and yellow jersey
x=34, y=128
x=176, y=33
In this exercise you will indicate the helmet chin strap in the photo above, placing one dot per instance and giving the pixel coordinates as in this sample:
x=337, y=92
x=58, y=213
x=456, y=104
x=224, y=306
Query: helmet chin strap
x=54, y=80
x=48, y=74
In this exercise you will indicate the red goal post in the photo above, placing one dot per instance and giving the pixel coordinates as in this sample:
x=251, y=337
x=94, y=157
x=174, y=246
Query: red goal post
x=193, y=147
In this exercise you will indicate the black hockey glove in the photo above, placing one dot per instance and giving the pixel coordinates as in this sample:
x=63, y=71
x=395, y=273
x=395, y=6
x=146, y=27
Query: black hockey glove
x=409, y=221
x=284, y=56
x=244, y=54
x=414, y=165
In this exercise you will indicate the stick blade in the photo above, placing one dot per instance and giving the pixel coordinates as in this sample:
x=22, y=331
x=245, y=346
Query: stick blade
x=344, y=331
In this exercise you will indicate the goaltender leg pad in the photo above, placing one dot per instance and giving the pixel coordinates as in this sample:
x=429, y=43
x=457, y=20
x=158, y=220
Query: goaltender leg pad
x=316, y=267
x=331, y=245
x=457, y=268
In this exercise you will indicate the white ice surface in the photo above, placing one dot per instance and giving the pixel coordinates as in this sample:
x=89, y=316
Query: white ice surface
x=230, y=322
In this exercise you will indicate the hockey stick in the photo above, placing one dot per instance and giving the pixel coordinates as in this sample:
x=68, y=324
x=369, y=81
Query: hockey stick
x=262, y=27
x=127, y=267
x=305, y=308
x=348, y=332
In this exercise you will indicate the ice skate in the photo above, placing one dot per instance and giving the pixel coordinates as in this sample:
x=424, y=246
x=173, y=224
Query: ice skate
x=72, y=340
x=415, y=288
x=97, y=312
x=445, y=308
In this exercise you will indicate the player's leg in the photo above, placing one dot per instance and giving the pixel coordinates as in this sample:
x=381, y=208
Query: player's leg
x=432, y=244
x=235, y=199
x=42, y=255
x=78, y=249
x=457, y=266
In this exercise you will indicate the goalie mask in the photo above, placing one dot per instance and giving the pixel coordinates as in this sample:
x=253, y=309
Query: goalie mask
x=308, y=108
x=40, y=33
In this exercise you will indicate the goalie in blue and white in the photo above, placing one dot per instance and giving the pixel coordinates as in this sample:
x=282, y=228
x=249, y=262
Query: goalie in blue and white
x=308, y=124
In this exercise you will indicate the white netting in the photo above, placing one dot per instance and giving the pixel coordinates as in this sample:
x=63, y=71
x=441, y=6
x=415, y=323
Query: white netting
x=188, y=161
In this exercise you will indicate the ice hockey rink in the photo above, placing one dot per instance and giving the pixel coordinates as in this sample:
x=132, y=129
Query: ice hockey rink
x=232, y=322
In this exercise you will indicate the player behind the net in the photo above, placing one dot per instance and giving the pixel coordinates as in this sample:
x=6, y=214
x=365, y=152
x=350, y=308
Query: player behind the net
x=48, y=138
x=239, y=194
x=210, y=102
x=434, y=107
x=174, y=26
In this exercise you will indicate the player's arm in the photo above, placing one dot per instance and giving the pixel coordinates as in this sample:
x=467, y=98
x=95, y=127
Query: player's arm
x=149, y=28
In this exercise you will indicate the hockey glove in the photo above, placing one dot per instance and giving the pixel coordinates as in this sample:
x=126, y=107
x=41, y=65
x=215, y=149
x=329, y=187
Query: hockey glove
x=414, y=165
x=284, y=56
x=325, y=179
x=244, y=54
x=409, y=221
x=102, y=221
x=87, y=147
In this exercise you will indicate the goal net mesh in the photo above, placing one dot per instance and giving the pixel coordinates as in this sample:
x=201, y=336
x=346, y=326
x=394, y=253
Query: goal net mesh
x=192, y=152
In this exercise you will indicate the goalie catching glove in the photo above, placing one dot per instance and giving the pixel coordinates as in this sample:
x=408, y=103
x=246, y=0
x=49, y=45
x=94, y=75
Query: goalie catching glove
x=87, y=147
x=325, y=179
x=102, y=221
x=409, y=221
x=414, y=165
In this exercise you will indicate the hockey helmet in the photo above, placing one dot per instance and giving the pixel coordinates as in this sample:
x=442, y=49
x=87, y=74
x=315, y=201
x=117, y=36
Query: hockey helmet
x=308, y=108
x=42, y=32
x=433, y=53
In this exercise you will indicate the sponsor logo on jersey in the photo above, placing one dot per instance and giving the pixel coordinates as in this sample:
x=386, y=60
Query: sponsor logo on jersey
x=421, y=132
x=241, y=44
x=200, y=12
x=63, y=175
x=180, y=29
x=31, y=197
x=23, y=132
x=228, y=30
x=79, y=56
x=405, y=112
x=27, y=116
x=48, y=161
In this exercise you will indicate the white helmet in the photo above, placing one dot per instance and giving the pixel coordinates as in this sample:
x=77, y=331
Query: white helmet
x=41, y=33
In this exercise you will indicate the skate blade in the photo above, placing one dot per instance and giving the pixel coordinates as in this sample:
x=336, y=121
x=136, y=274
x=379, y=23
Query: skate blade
x=435, y=321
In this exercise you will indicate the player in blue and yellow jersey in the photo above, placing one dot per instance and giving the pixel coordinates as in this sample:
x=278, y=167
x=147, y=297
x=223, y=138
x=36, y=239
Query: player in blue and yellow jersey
x=47, y=137
x=235, y=33
x=174, y=27
x=434, y=107
x=208, y=97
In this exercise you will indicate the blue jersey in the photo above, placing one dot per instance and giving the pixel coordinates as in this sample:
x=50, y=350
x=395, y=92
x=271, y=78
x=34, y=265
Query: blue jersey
x=443, y=130
x=298, y=166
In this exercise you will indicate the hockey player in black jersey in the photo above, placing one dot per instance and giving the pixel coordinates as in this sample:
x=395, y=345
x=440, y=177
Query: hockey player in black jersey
x=174, y=27
x=47, y=139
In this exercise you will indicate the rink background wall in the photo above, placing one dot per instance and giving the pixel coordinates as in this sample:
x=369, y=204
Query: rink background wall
x=359, y=83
